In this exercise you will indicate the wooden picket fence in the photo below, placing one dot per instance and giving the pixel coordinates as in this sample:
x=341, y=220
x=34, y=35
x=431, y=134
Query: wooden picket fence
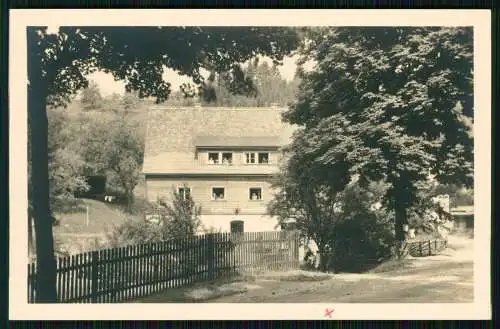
x=118, y=274
x=426, y=248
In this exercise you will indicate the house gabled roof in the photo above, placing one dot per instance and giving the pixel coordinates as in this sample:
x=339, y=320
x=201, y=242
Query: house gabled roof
x=237, y=141
x=175, y=133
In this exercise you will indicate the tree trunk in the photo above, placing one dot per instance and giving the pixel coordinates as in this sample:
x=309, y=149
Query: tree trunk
x=400, y=218
x=130, y=200
x=46, y=265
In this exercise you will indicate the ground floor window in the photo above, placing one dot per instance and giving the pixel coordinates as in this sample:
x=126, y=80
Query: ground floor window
x=255, y=193
x=218, y=193
x=184, y=192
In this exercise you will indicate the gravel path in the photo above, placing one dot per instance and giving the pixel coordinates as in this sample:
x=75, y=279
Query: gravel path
x=446, y=278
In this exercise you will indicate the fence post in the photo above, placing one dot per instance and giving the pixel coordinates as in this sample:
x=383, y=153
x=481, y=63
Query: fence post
x=94, y=276
x=421, y=248
x=296, y=246
x=430, y=248
x=210, y=255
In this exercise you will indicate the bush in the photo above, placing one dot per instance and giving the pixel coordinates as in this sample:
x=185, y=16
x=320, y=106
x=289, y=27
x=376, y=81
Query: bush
x=132, y=232
x=362, y=242
x=363, y=237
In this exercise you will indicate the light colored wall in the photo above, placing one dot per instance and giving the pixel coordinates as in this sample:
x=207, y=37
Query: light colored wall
x=251, y=223
x=236, y=193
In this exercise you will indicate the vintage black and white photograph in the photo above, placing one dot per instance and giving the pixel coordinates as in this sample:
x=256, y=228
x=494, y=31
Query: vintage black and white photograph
x=251, y=164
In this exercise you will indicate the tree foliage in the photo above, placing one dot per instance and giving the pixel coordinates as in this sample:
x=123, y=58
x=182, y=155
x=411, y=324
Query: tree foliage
x=139, y=55
x=350, y=234
x=91, y=98
x=181, y=218
x=391, y=104
x=65, y=161
x=113, y=146
x=270, y=88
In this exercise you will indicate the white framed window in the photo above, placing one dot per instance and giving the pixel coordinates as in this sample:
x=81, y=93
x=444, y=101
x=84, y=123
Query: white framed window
x=225, y=158
x=263, y=157
x=255, y=193
x=257, y=157
x=218, y=193
x=250, y=157
x=213, y=158
x=184, y=191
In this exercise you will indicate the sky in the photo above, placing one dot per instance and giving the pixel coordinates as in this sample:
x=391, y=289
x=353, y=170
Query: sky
x=108, y=86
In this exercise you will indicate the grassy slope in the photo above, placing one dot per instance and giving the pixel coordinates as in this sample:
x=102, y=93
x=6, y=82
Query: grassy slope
x=73, y=235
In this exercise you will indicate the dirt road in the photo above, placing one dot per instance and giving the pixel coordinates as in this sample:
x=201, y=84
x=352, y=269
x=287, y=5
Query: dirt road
x=447, y=278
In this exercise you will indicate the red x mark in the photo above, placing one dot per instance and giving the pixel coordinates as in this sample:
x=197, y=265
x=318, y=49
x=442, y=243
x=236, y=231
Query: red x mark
x=328, y=312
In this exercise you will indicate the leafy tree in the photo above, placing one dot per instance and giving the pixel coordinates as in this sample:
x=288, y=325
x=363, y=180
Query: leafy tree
x=270, y=88
x=114, y=147
x=65, y=162
x=340, y=218
x=91, y=98
x=181, y=218
x=387, y=104
x=58, y=65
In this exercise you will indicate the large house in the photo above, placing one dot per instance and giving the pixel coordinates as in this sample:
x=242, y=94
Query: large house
x=223, y=157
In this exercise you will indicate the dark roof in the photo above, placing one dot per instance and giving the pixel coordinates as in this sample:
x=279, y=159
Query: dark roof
x=237, y=141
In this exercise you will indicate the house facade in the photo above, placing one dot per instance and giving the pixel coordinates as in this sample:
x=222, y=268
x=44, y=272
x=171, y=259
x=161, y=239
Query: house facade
x=223, y=157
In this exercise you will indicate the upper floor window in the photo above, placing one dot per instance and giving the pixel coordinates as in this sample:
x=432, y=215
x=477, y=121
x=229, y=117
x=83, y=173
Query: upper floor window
x=254, y=157
x=220, y=158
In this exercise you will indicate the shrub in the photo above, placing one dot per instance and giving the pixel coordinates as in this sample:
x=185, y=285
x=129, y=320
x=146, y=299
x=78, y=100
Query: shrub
x=364, y=237
x=178, y=219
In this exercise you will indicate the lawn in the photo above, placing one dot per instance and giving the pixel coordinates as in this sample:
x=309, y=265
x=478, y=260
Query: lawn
x=79, y=230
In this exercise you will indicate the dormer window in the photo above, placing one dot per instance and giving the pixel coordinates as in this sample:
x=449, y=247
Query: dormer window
x=213, y=158
x=225, y=158
x=250, y=157
x=254, y=157
x=263, y=158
